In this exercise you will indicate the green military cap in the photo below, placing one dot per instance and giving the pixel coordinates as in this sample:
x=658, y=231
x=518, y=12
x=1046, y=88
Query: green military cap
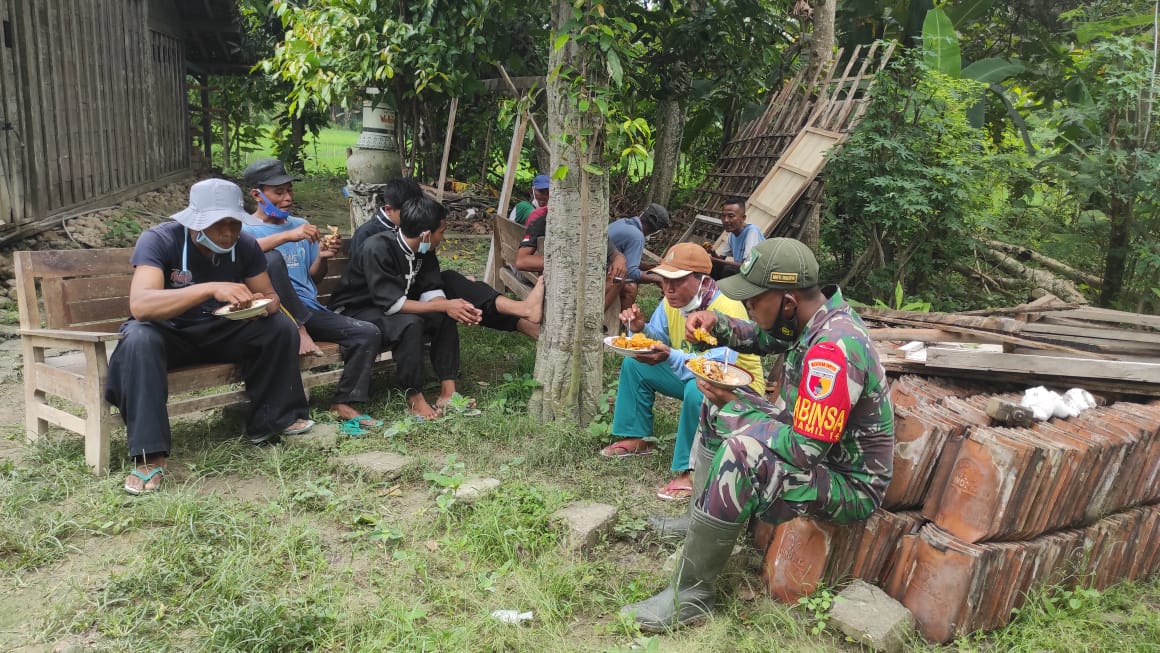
x=774, y=264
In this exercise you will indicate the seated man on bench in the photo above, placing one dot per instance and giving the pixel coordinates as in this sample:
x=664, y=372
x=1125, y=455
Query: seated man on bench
x=182, y=272
x=297, y=255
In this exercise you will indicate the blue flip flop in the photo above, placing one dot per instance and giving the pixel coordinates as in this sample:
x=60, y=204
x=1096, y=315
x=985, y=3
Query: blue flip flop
x=145, y=478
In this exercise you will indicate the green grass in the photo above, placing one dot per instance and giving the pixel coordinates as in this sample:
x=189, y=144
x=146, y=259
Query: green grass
x=324, y=154
x=278, y=549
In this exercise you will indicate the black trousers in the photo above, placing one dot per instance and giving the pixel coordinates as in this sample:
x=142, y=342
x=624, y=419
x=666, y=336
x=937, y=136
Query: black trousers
x=265, y=349
x=405, y=333
x=481, y=296
x=358, y=341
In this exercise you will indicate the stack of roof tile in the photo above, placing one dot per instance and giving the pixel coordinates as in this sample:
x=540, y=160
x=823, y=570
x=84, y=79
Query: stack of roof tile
x=1013, y=484
x=954, y=587
x=1063, y=497
x=801, y=553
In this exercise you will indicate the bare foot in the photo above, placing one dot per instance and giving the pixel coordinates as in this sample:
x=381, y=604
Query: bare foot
x=528, y=328
x=421, y=409
x=306, y=344
x=535, y=302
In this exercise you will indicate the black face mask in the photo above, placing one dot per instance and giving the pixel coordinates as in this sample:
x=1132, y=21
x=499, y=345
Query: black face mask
x=785, y=330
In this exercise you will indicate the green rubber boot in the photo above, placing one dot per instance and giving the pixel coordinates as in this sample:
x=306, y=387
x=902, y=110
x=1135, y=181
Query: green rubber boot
x=689, y=598
x=677, y=527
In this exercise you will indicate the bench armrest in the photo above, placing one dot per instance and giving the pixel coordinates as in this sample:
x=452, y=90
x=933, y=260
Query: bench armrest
x=73, y=336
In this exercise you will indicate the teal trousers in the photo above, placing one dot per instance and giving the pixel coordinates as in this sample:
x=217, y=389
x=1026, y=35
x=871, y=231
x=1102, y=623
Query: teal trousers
x=633, y=416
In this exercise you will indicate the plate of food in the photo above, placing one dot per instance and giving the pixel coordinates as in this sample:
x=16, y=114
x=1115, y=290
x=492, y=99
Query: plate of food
x=719, y=373
x=244, y=310
x=639, y=343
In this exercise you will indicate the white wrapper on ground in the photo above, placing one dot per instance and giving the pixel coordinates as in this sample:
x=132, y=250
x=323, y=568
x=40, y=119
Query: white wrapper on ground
x=514, y=617
x=1045, y=404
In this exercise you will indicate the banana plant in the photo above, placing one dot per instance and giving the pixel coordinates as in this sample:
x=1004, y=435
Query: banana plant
x=940, y=50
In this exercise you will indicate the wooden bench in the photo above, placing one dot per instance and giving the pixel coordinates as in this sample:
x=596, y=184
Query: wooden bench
x=72, y=303
x=505, y=242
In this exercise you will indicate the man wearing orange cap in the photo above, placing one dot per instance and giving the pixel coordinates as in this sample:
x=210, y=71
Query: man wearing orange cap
x=687, y=286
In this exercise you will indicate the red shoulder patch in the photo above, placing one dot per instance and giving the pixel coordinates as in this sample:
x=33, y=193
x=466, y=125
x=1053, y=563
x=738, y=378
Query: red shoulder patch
x=823, y=401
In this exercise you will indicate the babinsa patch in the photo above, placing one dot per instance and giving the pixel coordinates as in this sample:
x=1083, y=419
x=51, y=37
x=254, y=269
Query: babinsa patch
x=823, y=401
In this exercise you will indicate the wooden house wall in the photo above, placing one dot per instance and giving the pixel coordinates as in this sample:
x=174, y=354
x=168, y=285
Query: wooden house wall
x=99, y=101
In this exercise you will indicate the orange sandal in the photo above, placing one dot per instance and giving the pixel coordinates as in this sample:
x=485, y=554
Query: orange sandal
x=678, y=489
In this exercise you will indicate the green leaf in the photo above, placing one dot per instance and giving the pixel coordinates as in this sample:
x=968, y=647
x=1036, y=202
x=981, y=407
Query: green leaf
x=968, y=10
x=992, y=70
x=614, y=68
x=593, y=169
x=557, y=175
x=1100, y=28
x=560, y=41
x=940, y=44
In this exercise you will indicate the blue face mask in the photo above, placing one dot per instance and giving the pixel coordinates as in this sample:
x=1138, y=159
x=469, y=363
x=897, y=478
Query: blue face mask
x=424, y=247
x=269, y=208
x=203, y=239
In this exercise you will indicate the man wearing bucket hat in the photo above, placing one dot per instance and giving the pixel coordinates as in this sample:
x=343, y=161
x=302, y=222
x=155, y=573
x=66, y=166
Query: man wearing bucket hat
x=184, y=271
x=687, y=287
x=824, y=450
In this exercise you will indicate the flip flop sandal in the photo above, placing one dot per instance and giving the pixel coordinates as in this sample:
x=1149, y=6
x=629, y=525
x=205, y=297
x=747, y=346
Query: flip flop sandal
x=623, y=450
x=675, y=491
x=359, y=425
x=145, y=478
x=300, y=430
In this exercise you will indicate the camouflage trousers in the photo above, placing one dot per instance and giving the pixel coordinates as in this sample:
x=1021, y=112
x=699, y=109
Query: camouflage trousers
x=748, y=478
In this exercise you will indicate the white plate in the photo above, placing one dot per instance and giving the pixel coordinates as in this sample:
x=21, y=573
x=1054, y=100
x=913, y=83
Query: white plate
x=622, y=350
x=735, y=377
x=257, y=308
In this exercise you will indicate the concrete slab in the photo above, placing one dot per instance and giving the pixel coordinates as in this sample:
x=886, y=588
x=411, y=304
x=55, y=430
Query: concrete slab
x=384, y=464
x=584, y=524
x=474, y=489
x=871, y=618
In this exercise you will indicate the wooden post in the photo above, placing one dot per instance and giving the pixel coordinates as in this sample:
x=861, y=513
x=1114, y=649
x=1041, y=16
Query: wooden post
x=447, y=148
x=535, y=127
x=513, y=163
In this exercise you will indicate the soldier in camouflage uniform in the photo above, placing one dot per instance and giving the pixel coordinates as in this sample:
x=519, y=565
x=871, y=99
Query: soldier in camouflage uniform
x=824, y=450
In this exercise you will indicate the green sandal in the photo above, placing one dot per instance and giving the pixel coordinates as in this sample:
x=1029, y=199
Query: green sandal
x=145, y=478
x=357, y=426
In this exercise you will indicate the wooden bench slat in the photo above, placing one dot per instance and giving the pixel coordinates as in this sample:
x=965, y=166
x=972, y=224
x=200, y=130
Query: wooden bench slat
x=55, y=264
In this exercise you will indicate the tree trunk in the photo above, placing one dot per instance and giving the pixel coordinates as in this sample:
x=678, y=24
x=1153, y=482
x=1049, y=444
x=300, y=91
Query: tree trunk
x=569, y=354
x=297, y=142
x=1120, y=217
x=667, y=152
x=822, y=40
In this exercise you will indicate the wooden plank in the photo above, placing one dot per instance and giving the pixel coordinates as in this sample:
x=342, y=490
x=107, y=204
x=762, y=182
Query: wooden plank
x=513, y=163
x=1043, y=365
x=13, y=182
x=1095, y=331
x=78, y=105
x=116, y=65
x=32, y=110
x=58, y=87
x=84, y=314
x=1109, y=315
x=78, y=262
x=89, y=288
x=60, y=382
x=94, y=95
x=446, y=148
x=57, y=416
x=927, y=335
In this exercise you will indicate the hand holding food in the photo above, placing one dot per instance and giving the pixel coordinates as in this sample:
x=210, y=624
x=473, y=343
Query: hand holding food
x=331, y=240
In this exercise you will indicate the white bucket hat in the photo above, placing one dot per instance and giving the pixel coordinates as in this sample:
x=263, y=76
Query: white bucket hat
x=212, y=200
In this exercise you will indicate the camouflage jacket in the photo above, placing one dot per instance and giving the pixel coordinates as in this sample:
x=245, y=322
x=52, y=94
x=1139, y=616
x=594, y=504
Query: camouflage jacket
x=834, y=400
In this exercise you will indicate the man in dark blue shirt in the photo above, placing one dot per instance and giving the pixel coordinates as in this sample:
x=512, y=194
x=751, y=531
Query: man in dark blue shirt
x=184, y=271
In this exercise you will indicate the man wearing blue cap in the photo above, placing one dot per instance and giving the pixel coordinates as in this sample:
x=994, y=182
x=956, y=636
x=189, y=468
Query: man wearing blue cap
x=521, y=211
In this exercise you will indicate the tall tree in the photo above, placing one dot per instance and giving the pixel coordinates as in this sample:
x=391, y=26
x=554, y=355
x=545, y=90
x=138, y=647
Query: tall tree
x=569, y=357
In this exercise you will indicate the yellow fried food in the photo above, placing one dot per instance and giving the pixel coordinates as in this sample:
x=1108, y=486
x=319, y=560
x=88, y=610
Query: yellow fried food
x=714, y=370
x=331, y=238
x=701, y=335
x=637, y=341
